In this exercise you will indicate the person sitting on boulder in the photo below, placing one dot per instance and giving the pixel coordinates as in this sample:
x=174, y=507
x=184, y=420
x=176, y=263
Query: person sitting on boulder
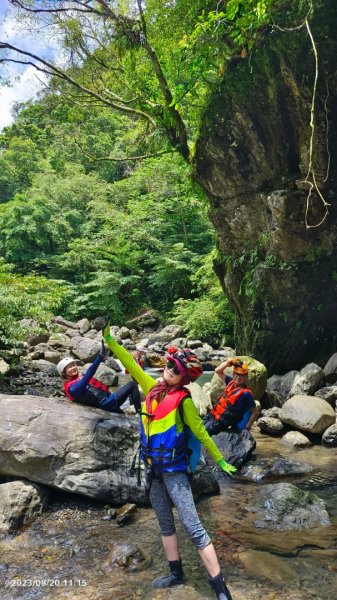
x=89, y=391
x=236, y=407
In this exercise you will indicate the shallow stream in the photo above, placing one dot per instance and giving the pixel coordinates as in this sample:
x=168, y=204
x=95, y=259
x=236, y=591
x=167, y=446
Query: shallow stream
x=67, y=551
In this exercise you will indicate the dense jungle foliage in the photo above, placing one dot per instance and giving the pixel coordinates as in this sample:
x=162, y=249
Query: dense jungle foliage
x=88, y=224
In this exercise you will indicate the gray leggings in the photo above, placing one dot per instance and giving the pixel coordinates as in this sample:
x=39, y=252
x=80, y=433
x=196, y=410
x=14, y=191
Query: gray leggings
x=177, y=487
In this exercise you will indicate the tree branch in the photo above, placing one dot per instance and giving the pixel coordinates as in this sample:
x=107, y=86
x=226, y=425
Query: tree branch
x=126, y=159
x=178, y=137
x=135, y=30
x=86, y=8
x=62, y=75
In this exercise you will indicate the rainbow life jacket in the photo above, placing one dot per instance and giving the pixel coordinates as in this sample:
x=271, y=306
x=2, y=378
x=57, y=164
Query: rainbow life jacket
x=163, y=442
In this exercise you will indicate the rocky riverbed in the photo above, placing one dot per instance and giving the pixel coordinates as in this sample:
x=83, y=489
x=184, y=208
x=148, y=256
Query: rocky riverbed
x=274, y=526
x=76, y=549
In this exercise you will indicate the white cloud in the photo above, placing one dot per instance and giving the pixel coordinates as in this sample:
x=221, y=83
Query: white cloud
x=25, y=88
x=24, y=82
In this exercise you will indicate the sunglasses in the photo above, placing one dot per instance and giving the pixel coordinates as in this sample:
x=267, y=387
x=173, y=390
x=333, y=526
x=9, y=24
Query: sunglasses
x=173, y=367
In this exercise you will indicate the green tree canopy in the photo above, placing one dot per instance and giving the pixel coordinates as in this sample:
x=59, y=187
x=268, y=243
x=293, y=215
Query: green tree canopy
x=153, y=62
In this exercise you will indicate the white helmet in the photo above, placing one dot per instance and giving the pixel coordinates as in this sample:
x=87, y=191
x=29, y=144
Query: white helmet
x=64, y=363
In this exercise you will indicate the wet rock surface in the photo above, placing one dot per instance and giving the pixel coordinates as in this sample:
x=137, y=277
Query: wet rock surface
x=236, y=447
x=329, y=437
x=284, y=507
x=129, y=556
x=264, y=470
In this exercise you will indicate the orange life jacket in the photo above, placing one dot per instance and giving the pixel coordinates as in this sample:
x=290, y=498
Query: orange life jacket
x=231, y=395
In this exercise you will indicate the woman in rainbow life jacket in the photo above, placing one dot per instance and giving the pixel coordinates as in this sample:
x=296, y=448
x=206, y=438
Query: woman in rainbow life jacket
x=236, y=407
x=164, y=451
x=91, y=392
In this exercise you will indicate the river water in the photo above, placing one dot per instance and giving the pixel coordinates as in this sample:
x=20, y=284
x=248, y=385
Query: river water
x=66, y=552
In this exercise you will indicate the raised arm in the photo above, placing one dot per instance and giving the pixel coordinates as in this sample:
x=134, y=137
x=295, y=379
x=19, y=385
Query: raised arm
x=145, y=380
x=220, y=370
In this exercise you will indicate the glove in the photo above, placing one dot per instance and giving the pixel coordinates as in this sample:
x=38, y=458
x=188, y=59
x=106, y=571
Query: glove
x=104, y=353
x=226, y=467
x=106, y=331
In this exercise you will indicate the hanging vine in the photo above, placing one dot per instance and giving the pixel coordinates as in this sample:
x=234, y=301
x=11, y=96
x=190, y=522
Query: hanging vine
x=310, y=178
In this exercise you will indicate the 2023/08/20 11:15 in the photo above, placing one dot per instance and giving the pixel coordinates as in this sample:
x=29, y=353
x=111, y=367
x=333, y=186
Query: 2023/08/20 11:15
x=17, y=582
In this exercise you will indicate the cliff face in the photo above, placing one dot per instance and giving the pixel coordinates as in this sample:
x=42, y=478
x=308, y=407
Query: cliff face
x=252, y=158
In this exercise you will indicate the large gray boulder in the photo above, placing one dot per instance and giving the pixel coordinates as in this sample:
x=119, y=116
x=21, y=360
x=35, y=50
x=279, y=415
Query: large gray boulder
x=270, y=426
x=330, y=436
x=74, y=448
x=36, y=338
x=236, y=448
x=281, y=384
x=104, y=374
x=269, y=469
x=295, y=439
x=84, y=348
x=308, y=413
x=70, y=447
x=59, y=340
x=165, y=335
x=329, y=394
x=307, y=381
x=148, y=318
x=271, y=399
x=42, y=365
x=65, y=323
x=124, y=333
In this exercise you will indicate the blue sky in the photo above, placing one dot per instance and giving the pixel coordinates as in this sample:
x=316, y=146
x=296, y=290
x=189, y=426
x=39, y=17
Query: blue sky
x=24, y=82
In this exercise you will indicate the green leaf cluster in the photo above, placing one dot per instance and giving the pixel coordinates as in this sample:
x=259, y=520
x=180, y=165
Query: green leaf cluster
x=25, y=296
x=76, y=204
x=122, y=235
x=207, y=315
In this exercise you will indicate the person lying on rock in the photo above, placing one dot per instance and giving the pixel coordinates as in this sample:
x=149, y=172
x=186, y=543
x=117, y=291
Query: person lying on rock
x=236, y=407
x=167, y=412
x=89, y=391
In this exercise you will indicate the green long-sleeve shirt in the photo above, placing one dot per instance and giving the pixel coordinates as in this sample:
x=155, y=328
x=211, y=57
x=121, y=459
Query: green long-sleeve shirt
x=146, y=382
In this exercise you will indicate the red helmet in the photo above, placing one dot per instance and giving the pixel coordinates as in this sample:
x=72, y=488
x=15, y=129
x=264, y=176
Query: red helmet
x=186, y=361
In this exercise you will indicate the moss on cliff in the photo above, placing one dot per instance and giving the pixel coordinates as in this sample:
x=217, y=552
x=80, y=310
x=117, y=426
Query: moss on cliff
x=252, y=158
